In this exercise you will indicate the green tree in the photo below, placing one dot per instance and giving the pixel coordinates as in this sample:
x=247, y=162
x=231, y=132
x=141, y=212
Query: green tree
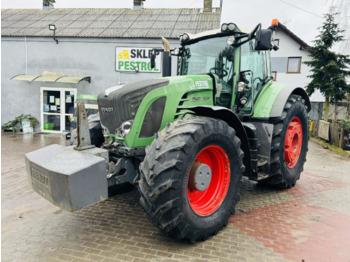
x=329, y=69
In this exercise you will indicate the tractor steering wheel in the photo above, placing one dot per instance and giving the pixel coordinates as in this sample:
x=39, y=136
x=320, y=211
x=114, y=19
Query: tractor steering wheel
x=216, y=69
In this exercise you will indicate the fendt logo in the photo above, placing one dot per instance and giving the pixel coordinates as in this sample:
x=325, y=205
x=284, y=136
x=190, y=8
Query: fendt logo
x=107, y=109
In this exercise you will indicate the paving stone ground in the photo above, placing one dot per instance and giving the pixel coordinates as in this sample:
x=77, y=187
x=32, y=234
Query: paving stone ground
x=310, y=222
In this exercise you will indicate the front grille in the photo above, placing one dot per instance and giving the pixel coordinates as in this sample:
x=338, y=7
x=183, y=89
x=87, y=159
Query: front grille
x=122, y=104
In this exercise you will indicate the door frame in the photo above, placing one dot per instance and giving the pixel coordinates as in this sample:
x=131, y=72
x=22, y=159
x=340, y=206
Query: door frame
x=62, y=114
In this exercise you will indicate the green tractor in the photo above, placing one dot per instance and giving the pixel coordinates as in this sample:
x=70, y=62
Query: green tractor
x=186, y=141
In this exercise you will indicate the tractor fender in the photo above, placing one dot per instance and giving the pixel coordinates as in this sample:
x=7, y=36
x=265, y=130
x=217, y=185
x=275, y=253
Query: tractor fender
x=233, y=121
x=282, y=97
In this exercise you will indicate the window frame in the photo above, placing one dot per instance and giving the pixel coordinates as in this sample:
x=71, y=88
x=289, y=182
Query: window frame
x=299, y=69
x=62, y=114
x=274, y=74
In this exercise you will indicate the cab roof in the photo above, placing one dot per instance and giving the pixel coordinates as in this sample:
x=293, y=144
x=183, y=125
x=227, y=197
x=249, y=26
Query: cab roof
x=213, y=32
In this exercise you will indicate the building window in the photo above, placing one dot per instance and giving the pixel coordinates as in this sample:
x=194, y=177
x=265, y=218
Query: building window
x=274, y=75
x=276, y=42
x=294, y=64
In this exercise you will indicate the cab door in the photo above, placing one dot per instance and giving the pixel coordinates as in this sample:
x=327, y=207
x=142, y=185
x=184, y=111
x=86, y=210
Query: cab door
x=255, y=72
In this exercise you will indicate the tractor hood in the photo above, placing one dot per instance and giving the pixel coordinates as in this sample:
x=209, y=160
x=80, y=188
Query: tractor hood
x=133, y=113
x=121, y=104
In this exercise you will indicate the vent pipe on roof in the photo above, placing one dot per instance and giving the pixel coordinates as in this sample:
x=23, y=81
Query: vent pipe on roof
x=208, y=6
x=138, y=4
x=48, y=4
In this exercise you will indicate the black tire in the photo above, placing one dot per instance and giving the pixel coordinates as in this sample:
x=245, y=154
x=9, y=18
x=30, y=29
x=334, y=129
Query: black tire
x=282, y=176
x=165, y=172
x=120, y=189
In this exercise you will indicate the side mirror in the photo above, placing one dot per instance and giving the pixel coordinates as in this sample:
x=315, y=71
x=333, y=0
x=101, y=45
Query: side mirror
x=153, y=60
x=263, y=40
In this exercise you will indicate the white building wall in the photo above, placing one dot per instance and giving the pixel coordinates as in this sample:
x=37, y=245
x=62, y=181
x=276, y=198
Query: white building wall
x=288, y=47
x=71, y=56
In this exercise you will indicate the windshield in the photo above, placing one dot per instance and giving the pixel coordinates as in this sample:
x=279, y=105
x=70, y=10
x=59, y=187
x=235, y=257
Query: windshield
x=209, y=56
x=212, y=56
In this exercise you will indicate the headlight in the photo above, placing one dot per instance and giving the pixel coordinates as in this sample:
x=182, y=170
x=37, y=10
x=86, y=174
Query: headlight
x=241, y=87
x=243, y=100
x=231, y=40
x=224, y=27
x=126, y=127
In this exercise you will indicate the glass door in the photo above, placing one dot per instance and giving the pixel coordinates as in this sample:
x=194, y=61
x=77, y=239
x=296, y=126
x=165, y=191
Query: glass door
x=51, y=107
x=57, y=109
x=69, y=98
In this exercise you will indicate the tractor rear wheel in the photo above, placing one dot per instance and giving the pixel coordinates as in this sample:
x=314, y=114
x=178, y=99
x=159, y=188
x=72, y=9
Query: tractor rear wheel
x=289, y=144
x=190, y=176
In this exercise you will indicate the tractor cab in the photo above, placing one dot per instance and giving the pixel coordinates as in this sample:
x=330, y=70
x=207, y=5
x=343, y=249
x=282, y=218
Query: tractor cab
x=237, y=59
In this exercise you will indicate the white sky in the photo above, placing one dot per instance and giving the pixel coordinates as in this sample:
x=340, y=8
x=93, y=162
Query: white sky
x=247, y=12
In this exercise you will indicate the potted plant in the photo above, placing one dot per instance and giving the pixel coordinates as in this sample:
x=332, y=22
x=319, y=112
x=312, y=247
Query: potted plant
x=19, y=122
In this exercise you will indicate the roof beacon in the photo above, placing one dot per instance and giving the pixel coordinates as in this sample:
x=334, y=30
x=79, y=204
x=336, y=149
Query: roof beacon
x=273, y=27
x=274, y=24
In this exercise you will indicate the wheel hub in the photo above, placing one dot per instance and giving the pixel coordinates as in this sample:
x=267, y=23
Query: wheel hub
x=200, y=176
x=208, y=180
x=293, y=142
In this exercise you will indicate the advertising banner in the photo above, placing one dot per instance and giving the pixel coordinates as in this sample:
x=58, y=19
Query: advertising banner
x=131, y=59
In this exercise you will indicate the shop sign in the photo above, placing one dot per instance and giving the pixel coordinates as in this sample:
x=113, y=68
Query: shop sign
x=136, y=59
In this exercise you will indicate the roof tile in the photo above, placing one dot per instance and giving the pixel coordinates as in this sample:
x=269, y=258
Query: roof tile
x=116, y=23
x=17, y=17
x=72, y=17
x=113, y=32
x=60, y=24
x=105, y=17
x=114, y=11
x=41, y=23
x=142, y=24
x=165, y=24
x=121, y=24
x=90, y=32
x=99, y=24
x=26, y=31
x=68, y=32
x=81, y=24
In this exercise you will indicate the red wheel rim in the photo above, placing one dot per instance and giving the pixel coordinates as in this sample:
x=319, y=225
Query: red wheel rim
x=293, y=142
x=206, y=202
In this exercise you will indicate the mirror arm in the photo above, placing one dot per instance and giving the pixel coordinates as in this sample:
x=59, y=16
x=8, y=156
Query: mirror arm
x=250, y=36
x=252, y=33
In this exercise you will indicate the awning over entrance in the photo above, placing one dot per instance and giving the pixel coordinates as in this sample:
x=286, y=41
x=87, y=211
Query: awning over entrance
x=52, y=77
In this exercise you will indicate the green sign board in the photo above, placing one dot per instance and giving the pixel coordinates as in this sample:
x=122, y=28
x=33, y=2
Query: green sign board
x=136, y=59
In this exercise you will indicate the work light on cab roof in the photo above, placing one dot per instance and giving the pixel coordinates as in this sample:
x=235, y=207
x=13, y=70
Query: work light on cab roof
x=184, y=38
x=228, y=27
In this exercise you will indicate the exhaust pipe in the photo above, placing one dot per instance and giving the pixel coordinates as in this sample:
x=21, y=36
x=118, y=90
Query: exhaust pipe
x=166, y=58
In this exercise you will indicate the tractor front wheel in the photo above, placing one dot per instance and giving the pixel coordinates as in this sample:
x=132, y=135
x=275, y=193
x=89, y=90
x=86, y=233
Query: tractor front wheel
x=289, y=144
x=190, y=177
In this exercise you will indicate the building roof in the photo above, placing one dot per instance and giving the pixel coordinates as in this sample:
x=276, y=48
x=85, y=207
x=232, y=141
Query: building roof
x=107, y=23
x=292, y=35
